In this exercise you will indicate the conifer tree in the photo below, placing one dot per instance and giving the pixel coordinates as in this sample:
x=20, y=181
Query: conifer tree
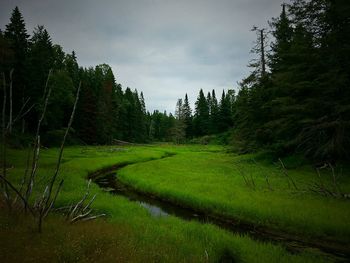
x=16, y=34
x=187, y=113
x=179, y=129
x=214, y=116
x=16, y=44
x=225, y=117
x=201, y=116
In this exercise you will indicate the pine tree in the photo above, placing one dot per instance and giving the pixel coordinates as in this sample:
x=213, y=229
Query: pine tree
x=72, y=67
x=201, y=116
x=140, y=125
x=6, y=54
x=214, y=116
x=16, y=42
x=282, y=32
x=17, y=36
x=40, y=61
x=179, y=129
x=187, y=112
x=225, y=116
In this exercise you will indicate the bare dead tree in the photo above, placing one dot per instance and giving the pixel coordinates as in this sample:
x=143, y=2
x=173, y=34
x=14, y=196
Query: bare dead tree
x=4, y=160
x=7, y=129
x=260, y=49
x=64, y=141
x=24, y=179
x=36, y=148
x=47, y=202
x=44, y=204
x=11, y=107
x=22, y=112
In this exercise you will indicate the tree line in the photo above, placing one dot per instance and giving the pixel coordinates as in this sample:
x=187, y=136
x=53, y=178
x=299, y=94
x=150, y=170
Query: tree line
x=32, y=63
x=297, y=97
x=105, y=111
x=295, y=100
x=210, y=116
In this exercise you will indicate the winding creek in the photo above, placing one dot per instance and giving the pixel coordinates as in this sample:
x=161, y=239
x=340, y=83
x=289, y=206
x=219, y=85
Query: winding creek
x=107, y=179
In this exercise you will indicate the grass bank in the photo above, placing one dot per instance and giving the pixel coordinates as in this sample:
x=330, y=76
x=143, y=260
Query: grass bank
x=211, y=180
x=128, y=233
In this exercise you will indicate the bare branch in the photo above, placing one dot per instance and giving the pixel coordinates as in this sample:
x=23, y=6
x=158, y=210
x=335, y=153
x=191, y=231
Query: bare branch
x=17, y=192
x=47, y=83
x=21, y=114
x=10, y=116
x=93, y=217
x=81, y=216
x=89, y=204
x=34, y=168
x=4, y=159
x=36, y=148
x=78, y=206
x=54, y=199
x=63, y=142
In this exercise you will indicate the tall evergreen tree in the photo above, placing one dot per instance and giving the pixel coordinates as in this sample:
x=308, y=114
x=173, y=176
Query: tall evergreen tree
x=187, y=113
x=179, y=129
x=225, y=117
x=201, y=115
x=282, y=32
x=214, y=116
x=16, y=34
x=16, y=40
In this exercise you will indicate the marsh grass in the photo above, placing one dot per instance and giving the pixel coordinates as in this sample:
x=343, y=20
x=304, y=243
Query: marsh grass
x=129, y=233
x=210, y=182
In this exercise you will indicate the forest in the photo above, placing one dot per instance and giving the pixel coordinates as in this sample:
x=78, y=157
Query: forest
x=296, y=99
x=256, y=173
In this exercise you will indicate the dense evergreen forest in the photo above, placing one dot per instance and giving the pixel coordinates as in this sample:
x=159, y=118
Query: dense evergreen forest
x=296, y=99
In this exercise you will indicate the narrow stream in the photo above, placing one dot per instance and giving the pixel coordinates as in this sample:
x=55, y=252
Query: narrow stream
x=107, y=179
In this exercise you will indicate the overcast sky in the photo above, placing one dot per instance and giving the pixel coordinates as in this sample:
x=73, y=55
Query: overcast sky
x=165, y=48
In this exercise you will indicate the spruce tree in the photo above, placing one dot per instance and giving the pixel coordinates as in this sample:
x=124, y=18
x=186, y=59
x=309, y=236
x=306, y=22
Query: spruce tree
x=187, y=113
x=179, y=129
x=214, y=116
x=282, y=31
x=201, y=116
x=225, y=117
x=16, y=43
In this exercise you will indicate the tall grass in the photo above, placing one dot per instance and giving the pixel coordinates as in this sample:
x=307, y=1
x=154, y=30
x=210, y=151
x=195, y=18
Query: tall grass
x=129, y=233
x=213, y=182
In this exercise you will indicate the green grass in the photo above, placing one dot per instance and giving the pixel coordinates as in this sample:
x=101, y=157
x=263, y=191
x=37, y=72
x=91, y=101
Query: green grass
x=212, y=181
x=129, y=233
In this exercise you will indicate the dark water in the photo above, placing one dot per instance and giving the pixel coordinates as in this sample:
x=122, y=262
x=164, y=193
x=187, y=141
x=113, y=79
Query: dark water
x=161, y=208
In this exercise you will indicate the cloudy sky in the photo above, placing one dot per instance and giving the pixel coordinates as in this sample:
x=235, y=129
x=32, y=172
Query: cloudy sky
x=165, y=48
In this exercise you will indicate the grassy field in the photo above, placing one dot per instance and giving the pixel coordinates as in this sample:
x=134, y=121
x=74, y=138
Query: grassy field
x=213, y=181
x=129, y=233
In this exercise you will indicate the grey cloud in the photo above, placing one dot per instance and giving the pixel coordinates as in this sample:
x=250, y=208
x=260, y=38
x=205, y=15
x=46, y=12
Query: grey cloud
x=161, y=47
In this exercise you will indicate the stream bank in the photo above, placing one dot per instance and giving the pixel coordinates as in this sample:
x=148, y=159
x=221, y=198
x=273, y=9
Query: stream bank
x=108, y=180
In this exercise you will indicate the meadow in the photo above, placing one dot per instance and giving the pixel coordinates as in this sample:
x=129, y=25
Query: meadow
x=200, y=176
x=214, y=181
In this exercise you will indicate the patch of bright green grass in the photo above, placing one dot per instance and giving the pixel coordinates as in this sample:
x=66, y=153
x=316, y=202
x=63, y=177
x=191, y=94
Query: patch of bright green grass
x=213, y=181
x=129, y=233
